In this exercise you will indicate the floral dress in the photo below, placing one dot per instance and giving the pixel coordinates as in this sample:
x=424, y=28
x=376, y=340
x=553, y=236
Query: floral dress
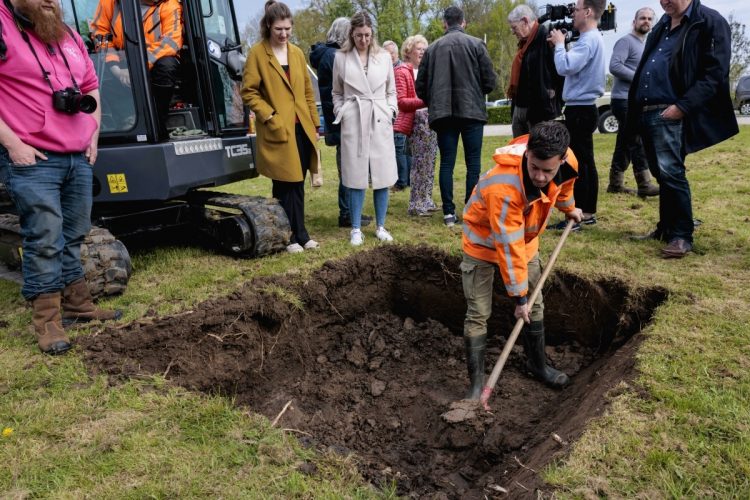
x=424, y=153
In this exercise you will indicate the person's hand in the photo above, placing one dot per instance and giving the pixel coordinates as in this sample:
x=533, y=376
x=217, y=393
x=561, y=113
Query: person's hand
x=92, y=151
x=122, y=75
x=672, y=113
x=556, y=36
x=522, y=311
x=576, y=214
x=23, y=154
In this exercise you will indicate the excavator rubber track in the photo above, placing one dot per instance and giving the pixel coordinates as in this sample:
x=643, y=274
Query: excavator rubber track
x=105, y=260
x=263, y=228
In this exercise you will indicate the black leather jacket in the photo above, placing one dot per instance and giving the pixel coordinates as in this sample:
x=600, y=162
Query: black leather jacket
x=454, y=76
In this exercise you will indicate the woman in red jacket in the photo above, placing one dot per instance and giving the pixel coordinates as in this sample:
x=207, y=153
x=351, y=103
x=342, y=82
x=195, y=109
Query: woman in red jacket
x=412, y=122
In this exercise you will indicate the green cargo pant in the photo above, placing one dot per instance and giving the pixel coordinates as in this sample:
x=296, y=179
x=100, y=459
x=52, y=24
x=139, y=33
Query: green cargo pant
x=477, y=277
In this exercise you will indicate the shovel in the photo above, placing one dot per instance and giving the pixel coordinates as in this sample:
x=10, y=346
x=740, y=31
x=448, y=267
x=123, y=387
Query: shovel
x=490, y=385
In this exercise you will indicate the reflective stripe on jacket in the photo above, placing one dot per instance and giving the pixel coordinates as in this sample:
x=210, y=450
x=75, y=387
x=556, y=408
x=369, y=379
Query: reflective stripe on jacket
x=162, y=29
x=506, y=213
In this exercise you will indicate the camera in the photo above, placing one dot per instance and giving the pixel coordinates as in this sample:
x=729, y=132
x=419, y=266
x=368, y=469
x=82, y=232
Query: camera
x=556, y=17
x=71, y=101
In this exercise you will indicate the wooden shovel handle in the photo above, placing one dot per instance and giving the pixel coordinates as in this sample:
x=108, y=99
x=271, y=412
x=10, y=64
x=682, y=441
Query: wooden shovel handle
x=500, y=364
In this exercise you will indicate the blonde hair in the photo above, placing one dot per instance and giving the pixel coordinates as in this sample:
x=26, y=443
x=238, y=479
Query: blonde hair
x=410, y=43
x=359, y=20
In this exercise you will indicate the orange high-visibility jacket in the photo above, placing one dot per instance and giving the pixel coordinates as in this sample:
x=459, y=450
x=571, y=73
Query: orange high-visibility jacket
x=162, y=27
x=506, y=213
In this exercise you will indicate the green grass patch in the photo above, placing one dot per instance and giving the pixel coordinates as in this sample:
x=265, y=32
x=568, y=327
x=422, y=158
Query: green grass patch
x=681, y=430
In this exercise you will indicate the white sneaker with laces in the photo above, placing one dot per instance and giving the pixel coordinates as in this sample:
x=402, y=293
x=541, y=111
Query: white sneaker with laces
x=312, y=245
x=294, y=248
x=356, y=237
x=383, y=235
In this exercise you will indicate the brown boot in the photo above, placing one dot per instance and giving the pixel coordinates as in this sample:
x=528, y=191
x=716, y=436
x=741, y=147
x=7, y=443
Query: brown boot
x=617, y=182
x=48, y=324
x=645, y=187
x=78, y=306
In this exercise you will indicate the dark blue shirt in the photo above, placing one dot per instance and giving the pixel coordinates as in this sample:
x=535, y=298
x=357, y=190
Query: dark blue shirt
x=654, y=86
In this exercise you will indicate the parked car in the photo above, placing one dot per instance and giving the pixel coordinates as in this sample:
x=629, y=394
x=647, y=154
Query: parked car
x=499, y=102
x=742, y=96
x=607, y=121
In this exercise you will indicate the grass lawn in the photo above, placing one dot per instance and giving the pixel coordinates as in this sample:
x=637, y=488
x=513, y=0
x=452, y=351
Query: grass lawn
x=682, y=430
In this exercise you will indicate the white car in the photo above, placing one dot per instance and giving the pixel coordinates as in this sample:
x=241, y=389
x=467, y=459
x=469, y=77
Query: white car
x=607, y=121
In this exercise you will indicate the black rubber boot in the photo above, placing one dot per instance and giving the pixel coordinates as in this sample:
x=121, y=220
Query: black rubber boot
x=536, y=359
x=475, y=347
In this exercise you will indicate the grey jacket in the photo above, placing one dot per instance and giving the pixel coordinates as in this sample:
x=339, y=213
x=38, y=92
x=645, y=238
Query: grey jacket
x=454, y=76
x=625, y=58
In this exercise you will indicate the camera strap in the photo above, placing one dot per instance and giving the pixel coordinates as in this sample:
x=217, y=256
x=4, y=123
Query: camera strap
x=45, y=73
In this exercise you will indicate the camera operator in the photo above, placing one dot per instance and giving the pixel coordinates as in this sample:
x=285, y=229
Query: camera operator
x=49, y=125
x=583, y=69
x=535, y=88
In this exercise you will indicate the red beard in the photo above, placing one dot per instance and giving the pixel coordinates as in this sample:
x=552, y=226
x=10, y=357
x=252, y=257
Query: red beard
x=48, y=24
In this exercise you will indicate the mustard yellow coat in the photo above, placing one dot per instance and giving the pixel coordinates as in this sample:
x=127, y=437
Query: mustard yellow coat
x=268, y=93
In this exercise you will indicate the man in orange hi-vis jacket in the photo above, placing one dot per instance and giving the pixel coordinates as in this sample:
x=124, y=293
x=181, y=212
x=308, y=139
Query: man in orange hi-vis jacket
x=503, y=219
x=162, y=29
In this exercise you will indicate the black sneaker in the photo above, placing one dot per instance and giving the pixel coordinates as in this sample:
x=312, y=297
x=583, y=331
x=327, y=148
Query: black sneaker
x=560, y=226
x=347, y=221
x=450, y=220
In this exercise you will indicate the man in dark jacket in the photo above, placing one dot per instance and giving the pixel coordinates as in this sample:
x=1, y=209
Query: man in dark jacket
x=454, y=76
x=535, y=87
x=321, y=59
x=680, y=97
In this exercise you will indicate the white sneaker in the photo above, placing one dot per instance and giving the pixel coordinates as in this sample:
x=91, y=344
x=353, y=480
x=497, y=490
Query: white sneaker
x=356, y=237
x=312, y=245
x=383, y=235
x=294, y=248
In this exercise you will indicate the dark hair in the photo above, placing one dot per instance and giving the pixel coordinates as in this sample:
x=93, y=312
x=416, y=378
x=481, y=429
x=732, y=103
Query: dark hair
x=548, y=139
x=274, y=11
x=453, y=16
x=596, y=6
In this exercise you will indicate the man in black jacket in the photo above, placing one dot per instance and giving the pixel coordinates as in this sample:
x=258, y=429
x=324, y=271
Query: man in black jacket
x=680, y=97
x=321, y=59
x=535, y=87
x=454, y=76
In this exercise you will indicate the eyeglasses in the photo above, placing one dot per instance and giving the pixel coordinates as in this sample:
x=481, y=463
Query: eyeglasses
x=362, y=36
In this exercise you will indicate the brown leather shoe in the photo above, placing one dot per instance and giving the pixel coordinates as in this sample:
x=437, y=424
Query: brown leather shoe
x=78, y=306
x=676, y=249
x=48, y=324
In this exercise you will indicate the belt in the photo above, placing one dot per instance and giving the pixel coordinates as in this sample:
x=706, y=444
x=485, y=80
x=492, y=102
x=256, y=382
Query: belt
x=655, y=107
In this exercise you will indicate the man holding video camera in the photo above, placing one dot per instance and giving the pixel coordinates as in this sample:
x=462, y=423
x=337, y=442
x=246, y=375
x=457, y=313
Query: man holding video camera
x=49, y=125
x=583, y=69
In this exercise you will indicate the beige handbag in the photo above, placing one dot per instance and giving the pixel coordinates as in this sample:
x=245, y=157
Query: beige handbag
x=316, y=179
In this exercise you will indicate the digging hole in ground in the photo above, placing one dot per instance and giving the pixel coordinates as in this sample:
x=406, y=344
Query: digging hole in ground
x=369, y=351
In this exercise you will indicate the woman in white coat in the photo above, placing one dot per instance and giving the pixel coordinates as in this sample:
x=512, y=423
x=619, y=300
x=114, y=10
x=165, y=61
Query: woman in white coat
x=364, y=102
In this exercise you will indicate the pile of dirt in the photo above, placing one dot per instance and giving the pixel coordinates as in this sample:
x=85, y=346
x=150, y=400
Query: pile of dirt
x=369, y=353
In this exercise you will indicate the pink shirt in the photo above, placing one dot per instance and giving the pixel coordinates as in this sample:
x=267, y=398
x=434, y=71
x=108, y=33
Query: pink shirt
x=26, y=99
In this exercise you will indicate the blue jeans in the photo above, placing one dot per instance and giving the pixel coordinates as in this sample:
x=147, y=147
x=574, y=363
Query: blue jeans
x=662, y=140
x=403, y=159
x=357, y=201
x=471, y=132
x=53, y=199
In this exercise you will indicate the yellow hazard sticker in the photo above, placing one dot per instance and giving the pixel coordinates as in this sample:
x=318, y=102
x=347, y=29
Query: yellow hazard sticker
x=117, y=183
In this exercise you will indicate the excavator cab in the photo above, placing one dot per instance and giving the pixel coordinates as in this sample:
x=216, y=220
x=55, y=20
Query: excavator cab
x=145, y=183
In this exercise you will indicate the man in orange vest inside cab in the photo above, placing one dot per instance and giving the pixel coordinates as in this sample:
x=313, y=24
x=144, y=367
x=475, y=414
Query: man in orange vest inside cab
x=162, y=29
x=502, y=222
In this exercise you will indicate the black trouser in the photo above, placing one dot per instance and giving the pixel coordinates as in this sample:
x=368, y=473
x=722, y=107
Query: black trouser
x=291, y=195
x=628, y=147
x=581, y=123
x=163, y=78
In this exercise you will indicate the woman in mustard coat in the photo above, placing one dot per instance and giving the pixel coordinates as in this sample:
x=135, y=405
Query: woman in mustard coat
x=277, y=88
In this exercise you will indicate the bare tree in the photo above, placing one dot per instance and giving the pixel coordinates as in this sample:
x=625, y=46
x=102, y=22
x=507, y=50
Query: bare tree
x=740, y=60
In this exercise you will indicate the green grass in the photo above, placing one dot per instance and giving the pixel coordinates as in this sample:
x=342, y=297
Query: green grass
x=684, y=431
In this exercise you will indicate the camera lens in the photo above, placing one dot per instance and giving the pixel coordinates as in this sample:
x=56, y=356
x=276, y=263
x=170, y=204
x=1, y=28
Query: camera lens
x=87, y=104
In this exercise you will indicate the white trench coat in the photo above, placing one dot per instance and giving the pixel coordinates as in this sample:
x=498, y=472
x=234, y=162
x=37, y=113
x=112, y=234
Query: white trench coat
x=365, y=105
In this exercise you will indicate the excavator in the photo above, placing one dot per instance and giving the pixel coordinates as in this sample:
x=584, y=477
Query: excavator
x=144, y=184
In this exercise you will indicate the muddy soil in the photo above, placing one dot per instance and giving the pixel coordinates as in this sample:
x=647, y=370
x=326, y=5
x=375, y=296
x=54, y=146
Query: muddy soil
x=370, y=354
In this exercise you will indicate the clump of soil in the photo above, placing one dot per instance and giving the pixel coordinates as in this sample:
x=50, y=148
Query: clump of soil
x=374, y=356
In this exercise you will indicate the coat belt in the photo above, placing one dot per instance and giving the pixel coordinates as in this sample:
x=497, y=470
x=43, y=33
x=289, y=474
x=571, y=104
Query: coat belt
x=358, y=100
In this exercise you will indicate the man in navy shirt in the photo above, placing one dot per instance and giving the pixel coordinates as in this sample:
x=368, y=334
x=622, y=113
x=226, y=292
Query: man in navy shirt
x=680, y=99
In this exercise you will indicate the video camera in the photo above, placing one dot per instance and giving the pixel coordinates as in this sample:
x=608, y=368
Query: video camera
x=556, y=17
